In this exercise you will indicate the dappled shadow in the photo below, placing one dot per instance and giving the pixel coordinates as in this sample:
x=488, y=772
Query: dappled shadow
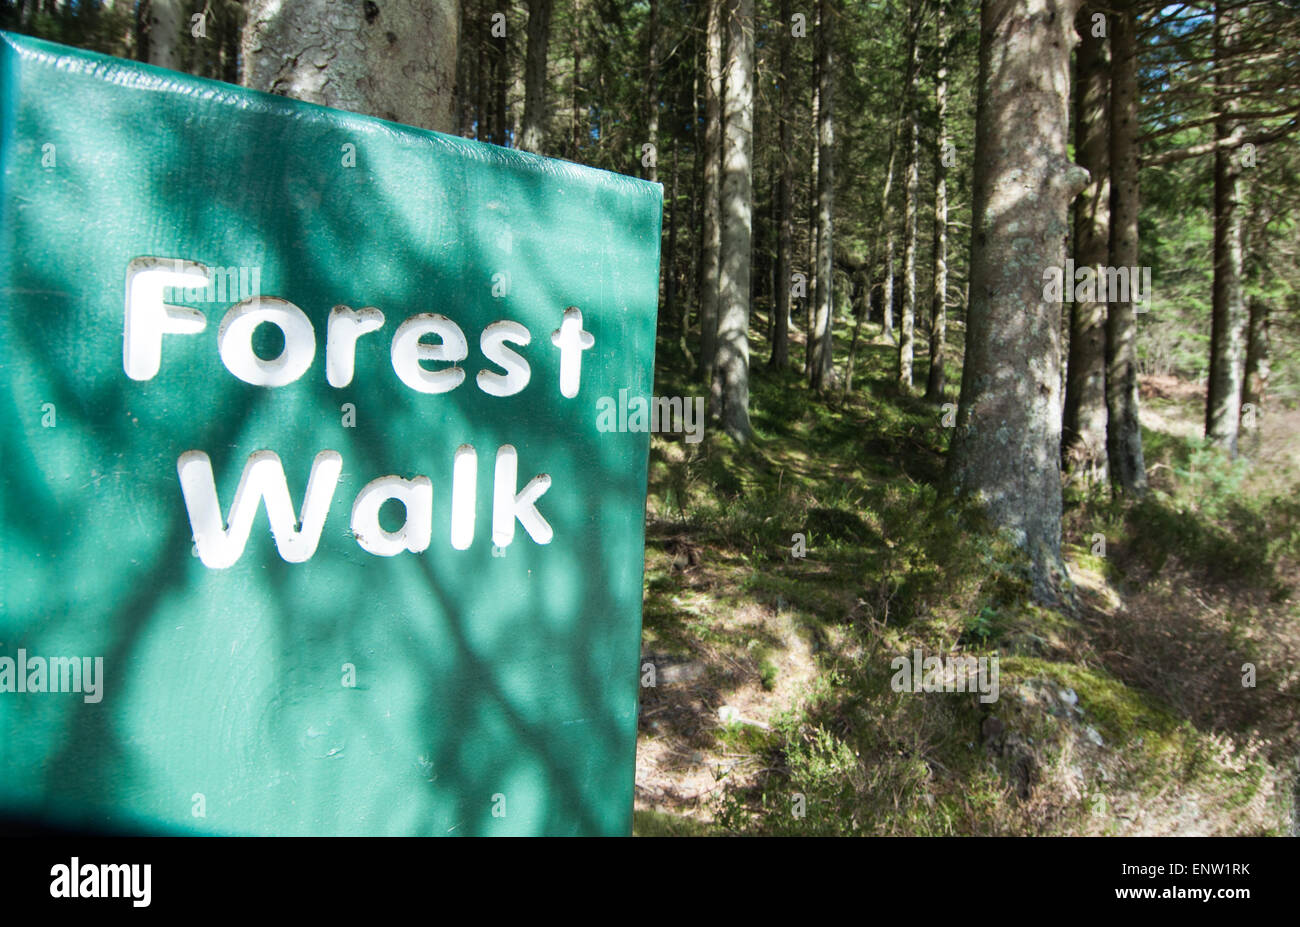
x=1202, y=602
x=483, y=683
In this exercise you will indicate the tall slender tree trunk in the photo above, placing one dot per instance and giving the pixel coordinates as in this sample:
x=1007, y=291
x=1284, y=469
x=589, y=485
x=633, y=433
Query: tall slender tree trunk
x=712, y=226
x=1255, y=381
x=230, y=45
x=731, y=374
x=652, y=89
x=887, y=221
x=165, y=19
x=698, y=157
x=139, y=28
x=515, y=80
x=1083, y=443
x=464, y=94
x=349, y=57
x=785, y=203
x=887, y=285
x=500, y=80
x=810, y=298
x=483, y=74
x=863, y=311
x=1123, y=428
x=670, y=278
x=757, y=225
x=1255, y=378
x=825, y=289
x=934, y=384
x=887, y=207
x=533, y=133
x=578, y=118
x=907, y=321
x=1006, y=448
x=1228, y=317
x=770, y=253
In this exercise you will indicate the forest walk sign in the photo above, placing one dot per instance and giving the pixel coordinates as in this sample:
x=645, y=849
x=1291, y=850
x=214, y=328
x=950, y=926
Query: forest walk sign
x=308, y=527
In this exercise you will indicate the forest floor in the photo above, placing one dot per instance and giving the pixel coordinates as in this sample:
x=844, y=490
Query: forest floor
x=1132, y=710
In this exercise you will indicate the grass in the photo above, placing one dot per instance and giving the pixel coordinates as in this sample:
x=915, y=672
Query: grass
x=796, y=567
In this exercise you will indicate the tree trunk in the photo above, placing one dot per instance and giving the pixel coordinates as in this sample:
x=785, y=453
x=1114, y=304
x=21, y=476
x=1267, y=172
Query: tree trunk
x=785, y=203
x=712, y=228
x=1256, y=378
x=359, y=58
x=863, y=312
x=1123, y=429
x=887, y=296
x=731, y=375
x=698, y=157
x=774, y=230
x=230, y=44
x=500, y=80
x=165, y=20
x=139, y=29
x=483, y=70
x=464, y=84
x=887, y=211
x=533, y=133
x=1083, y=443
x=825, y=289
x=1006, y=448
x=810, y=297
x=515, y=79
x=907, y=322
x=934, y=384
x=1228, y=317
x=652, y=91
x=578, y=118
x=1255, y=381
x=670, y=278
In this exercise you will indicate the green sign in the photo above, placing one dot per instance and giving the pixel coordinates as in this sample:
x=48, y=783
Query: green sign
x=308, y=527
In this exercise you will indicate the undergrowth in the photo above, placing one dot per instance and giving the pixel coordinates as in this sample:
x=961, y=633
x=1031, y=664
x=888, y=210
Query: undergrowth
x=1077, y=742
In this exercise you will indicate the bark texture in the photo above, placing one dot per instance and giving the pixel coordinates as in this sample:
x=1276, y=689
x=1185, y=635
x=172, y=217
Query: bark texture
x=395, y=59
x=810, y=298
x=935, y=379
x=1006, y=448
x=907, y=318
x=165, y=19
x=820, y=371
x=785, y=202
x=577, y=118
x=1084, y=429
x=533, y=133
x=1255, y=380
x=1123, y=430
x=1255, y=385
x=652, y=89
x=1228, y=318
x=711, y=233
x=731, y=375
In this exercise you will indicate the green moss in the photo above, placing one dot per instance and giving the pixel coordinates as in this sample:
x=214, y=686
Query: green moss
x=1120, y=714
